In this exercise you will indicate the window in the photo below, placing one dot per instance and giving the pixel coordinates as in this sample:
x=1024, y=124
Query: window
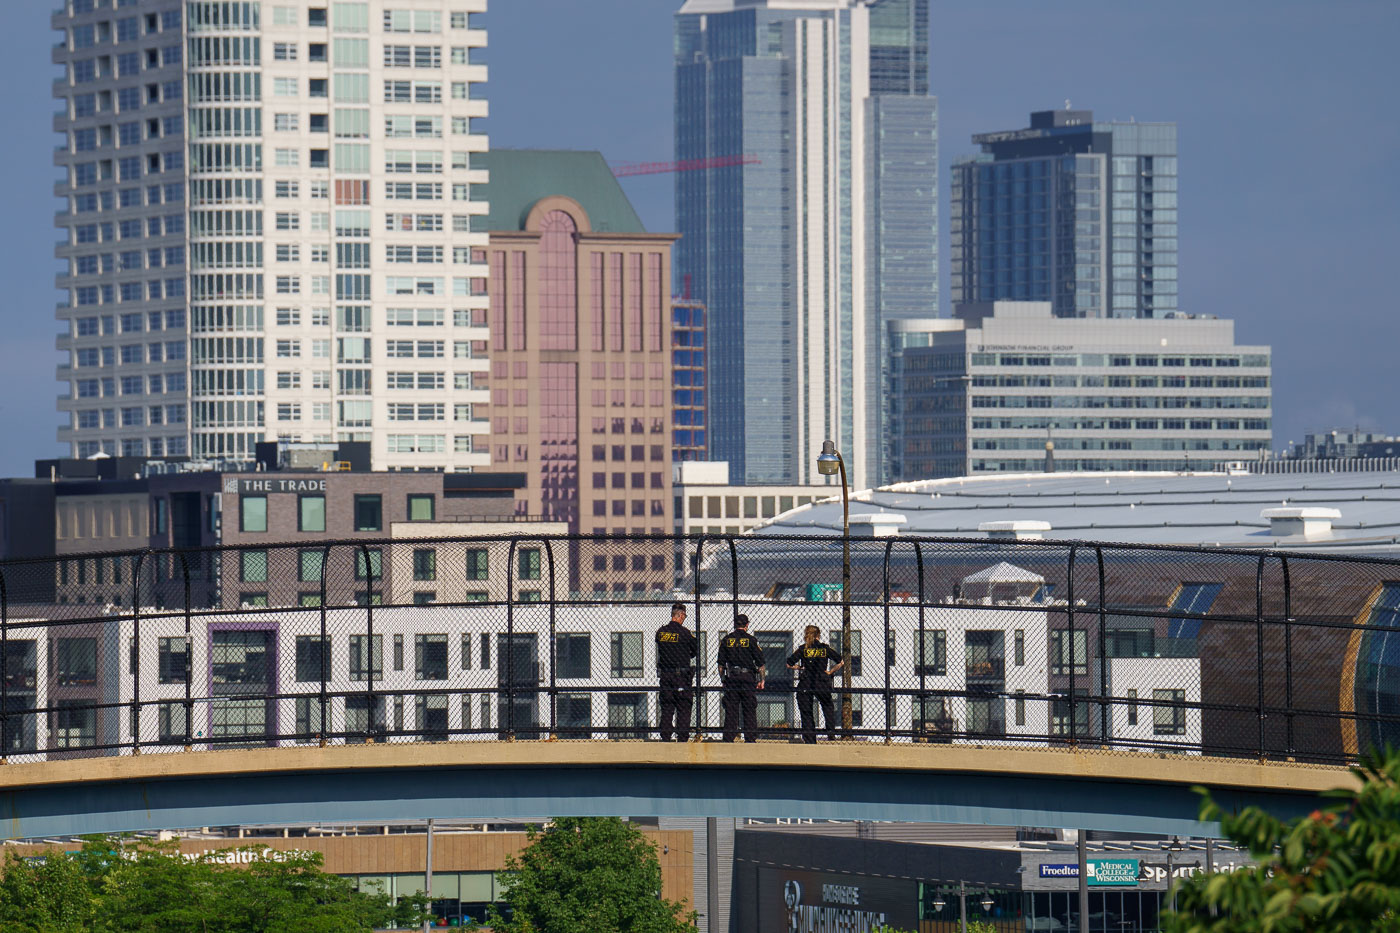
x=1060, y=715
x=528, y=563
x=1132, y=707
x=308, y=718
x=240, y=657
x=478, y=564
x=1069, y=654
x=625, y=654
x=171, y=722
x=311, y=513
x=313, y=657
x=252, y=511
x=252, y=566
x=421, y=507
x=74, y=725
x=430, y=657
x=573, y=654
x=362, y=665
x=855, y=649
x=369, y=512
x=627, y=715
x=309, y=564
x=174, y=659
x=933, y=656
x=375, y=569
x=424, y=563
x=431, y=713
x=1020, y=649
x=1168, y=712
x=76, y=660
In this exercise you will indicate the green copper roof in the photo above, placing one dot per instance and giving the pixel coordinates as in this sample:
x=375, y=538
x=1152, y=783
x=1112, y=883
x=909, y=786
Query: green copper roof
x=521, y=177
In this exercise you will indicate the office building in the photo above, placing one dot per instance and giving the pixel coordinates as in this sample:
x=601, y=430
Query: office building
x=814, y=223
x=581, y=377
x=997, y=387
x=706, y=503
x=268, y=228
x=1073, y=211
x=95, y=516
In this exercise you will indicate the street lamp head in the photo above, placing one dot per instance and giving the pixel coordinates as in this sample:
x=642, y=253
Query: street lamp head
x=829, y=462
x=987, y=902
x=939, y=903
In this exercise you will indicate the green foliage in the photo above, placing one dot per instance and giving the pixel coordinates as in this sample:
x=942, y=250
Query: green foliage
x=1336, y=869
x=113, y=886
x=980, y=926
x=588, y=875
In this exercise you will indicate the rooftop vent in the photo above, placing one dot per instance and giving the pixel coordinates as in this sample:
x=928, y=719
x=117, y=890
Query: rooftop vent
x=876, y=524
x=1019, y=530
x=1308, y=521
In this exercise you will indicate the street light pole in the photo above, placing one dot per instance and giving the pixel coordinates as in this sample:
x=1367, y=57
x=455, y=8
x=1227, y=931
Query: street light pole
x=830, y=462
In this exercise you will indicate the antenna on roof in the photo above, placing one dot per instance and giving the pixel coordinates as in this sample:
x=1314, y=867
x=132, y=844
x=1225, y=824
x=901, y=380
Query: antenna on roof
x=1066, y=103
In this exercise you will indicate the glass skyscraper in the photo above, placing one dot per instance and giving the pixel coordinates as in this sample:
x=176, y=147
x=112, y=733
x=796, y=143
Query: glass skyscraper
x=269, y=229
x=824, y=230
x=1079, y=213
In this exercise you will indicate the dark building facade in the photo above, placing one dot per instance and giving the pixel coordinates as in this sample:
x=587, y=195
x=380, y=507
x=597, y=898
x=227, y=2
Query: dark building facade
x=1079, y=213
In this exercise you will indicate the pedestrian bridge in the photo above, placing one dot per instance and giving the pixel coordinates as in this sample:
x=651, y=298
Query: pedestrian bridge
x=1129, y=791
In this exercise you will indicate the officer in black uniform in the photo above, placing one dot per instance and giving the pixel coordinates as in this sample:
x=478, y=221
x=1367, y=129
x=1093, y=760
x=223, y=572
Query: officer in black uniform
x=741, y=670
x=814, y=683
x=675, y=649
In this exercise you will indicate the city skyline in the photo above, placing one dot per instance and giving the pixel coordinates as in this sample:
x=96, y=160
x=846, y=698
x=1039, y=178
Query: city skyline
x=1306, y=75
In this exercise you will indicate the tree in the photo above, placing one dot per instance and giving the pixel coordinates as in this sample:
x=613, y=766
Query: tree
x=1336, y=869
x=116, y=886
x=588, y=875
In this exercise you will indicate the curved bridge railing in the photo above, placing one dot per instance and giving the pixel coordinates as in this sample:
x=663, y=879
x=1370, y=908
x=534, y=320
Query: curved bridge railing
x=1093, y=646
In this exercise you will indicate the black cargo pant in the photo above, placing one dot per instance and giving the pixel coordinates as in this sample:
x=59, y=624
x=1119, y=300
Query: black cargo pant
x=741, y=698
x=820, y=693
x=677, y=698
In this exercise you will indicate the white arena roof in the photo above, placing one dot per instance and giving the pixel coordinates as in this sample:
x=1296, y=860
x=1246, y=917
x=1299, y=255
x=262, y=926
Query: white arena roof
x=1352, y=511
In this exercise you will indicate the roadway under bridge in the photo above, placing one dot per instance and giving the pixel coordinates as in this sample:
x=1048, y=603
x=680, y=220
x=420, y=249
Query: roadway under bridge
x=1126, y=791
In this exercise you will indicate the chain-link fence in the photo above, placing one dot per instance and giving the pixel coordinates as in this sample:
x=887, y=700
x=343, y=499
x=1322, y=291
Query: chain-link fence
x=1094, y=646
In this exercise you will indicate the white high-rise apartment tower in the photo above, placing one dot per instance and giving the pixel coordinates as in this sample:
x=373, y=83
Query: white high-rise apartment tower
x=270, y=227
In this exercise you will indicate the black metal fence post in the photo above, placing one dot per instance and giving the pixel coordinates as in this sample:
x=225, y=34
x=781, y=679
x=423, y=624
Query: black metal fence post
x=4, y=672
x=733, y=592
x=699, y=681
x=1287, y=651
x=189, y=666
x=323, y=649
x=509, y=691
x=373, y=722
x=136, y=642
x=1073, y=680
x=189, y=654
x=553, y=598
x=1105, y=696
x=1259, y=627
x=889, y=690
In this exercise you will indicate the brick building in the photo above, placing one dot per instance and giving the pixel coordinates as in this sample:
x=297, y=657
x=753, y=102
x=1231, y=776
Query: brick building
x=580, y=350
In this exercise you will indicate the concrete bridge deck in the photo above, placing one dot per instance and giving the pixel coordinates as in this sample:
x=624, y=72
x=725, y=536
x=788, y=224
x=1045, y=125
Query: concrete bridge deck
x=1091, y=789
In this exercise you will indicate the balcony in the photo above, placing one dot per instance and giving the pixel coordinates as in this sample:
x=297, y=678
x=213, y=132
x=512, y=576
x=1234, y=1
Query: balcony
x=986, y=669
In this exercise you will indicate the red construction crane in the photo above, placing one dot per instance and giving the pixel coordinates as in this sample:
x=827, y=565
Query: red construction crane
x=624, y=169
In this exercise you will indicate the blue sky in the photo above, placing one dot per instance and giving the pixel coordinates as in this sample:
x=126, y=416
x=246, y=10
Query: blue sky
x=1289, y=131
